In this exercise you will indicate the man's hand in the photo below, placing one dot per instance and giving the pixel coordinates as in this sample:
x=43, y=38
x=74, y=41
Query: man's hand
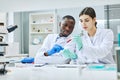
x=68, y=54
x=56, y=48
x=78, y=41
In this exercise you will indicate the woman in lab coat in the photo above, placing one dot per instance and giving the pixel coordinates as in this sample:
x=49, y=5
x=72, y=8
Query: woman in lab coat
x=97, y=44
x=66, y=28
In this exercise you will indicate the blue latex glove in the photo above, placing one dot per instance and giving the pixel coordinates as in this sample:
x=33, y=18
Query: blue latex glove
x=56, y=48
x=68, y=54
x=78, y=41
x=27, y=60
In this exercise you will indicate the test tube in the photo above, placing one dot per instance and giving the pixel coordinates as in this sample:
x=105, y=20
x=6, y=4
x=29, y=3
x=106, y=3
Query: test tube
x=81, y=34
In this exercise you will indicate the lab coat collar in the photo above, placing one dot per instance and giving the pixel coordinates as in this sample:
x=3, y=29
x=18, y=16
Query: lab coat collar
x=96, y=34
x=98, y=31
x=86, y=36
x=58, y=36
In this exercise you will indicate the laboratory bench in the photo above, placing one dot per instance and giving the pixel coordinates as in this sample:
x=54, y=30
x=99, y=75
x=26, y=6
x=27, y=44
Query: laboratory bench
x=21, y=71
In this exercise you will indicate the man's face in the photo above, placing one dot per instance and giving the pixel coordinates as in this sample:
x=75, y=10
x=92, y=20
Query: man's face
x=67, y=26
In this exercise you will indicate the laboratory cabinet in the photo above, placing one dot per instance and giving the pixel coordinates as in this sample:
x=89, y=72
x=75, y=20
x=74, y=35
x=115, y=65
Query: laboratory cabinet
x=40, y=25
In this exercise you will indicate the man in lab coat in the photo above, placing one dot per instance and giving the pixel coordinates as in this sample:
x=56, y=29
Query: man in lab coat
x=66, y=28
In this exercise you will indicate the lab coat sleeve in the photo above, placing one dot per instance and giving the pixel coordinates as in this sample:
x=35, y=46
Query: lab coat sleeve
x=102, y=50
x=71, y=46
x=44, y=48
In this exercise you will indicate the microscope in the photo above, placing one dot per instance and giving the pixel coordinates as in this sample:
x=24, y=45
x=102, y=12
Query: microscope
x=3, y=32
x=3, y=70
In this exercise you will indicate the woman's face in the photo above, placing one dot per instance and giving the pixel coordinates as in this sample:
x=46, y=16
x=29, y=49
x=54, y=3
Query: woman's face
x=87, y=22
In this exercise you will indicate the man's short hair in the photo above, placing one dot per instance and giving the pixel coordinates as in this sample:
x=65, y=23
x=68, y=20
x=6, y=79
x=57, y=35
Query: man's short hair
x=68, y=17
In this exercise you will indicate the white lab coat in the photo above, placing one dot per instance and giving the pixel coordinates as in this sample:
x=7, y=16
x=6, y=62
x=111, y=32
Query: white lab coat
x=48, y=43
x=99, y=50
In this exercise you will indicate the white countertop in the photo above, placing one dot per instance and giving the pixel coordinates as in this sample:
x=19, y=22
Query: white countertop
x=51, y=72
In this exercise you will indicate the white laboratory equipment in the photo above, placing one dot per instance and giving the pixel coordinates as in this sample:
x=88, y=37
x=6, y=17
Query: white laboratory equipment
x=3, y=33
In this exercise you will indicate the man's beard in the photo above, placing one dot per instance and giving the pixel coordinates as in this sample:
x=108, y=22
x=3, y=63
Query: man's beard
x=63, y=35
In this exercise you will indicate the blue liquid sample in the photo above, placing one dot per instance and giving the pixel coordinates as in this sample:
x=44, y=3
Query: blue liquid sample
x=98, y=66
x=118, y=39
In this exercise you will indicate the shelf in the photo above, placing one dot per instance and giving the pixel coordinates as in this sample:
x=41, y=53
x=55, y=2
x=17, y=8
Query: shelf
x=41, y=32
x=40, y=25
x=45, y=23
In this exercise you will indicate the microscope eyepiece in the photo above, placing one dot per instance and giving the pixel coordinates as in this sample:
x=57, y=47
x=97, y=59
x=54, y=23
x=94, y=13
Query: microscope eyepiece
x=11, y=28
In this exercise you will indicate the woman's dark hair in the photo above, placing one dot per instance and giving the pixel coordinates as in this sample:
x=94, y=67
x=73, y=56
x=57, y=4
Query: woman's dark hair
x=88, y=11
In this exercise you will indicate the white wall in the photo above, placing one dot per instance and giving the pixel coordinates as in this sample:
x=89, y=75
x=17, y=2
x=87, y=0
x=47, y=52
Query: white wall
x=26, y=5
x=10, y=22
